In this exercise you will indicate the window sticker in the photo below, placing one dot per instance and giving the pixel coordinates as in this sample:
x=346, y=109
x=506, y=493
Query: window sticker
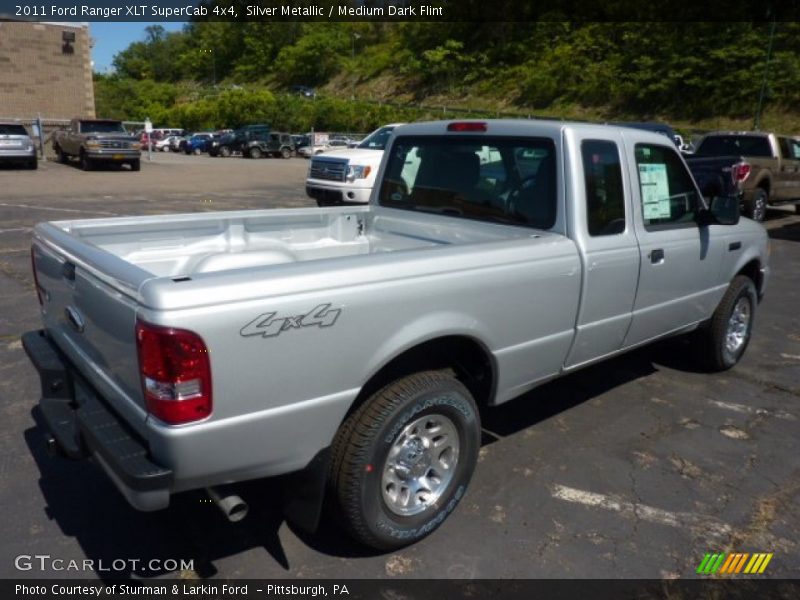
x=655, y=191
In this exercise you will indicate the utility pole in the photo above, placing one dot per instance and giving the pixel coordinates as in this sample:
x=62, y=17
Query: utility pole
x=353, y=87
x=757, y=123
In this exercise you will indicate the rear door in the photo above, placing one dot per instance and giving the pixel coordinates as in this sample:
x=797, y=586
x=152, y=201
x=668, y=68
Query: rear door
x=680, y=262
x=602, y=227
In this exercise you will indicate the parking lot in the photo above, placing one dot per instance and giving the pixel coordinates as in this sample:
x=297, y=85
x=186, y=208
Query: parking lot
x=635, y=468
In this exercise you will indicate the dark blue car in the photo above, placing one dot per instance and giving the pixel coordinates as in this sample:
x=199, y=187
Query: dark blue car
x=198, y=143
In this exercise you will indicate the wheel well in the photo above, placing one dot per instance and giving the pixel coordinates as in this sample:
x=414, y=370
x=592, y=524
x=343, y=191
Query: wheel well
x=764, y=185
x=469, y=360
x=753, y=271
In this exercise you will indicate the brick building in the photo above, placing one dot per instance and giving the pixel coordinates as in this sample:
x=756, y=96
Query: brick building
x=45, y=69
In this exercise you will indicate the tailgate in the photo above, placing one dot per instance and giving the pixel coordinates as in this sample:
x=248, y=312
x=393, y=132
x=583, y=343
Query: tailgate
x=93, y=324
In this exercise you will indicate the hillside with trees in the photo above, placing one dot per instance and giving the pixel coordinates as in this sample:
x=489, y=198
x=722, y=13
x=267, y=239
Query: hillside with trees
x=214, y=74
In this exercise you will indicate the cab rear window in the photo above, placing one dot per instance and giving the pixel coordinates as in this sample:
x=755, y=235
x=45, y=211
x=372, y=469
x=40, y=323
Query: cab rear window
x=732, y=145
x=498, y=179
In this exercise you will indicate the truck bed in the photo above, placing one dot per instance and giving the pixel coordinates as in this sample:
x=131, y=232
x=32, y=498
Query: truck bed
x=180, y=246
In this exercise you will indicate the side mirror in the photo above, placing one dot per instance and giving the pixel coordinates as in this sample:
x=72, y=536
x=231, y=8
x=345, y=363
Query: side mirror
x=724, y=211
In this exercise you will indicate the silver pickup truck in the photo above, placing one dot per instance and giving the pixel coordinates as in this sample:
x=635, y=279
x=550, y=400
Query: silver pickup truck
x=355, y=347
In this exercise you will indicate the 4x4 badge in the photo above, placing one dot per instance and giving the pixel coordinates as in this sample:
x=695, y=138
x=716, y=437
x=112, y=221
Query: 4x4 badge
x=268, y=325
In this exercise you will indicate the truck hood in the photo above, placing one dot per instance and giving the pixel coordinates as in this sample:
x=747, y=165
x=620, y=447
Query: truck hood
x=354, y=155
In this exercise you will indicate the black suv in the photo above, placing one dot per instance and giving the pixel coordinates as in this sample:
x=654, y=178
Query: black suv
x=238, y=140
x=275, y=144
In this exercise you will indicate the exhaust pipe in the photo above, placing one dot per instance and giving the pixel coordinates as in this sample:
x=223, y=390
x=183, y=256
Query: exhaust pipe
x=232, y=506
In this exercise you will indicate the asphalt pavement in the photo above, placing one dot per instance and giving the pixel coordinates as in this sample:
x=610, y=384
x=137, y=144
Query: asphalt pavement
x=636, y=467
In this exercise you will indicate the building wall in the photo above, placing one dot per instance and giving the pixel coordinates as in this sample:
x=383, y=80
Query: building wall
x=38, y=78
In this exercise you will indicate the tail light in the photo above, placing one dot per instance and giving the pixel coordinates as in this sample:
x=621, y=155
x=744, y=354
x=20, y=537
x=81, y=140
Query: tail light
x=35, y=276
x=176, y=373
x=740, y=171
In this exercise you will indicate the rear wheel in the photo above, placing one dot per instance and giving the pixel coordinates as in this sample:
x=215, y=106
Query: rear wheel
x=727, y=335
x=33, y=164
x=60, y=156
x=286, y=153
x=757, y=207
x=255, y=152
x=797, y=209
x=403, y=460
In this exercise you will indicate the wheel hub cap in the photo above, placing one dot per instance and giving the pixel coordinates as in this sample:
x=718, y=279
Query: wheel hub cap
x=420, y=465
x=738, y=326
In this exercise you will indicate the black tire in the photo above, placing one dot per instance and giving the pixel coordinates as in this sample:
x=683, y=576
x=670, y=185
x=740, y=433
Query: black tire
x=717, y=353
x=136, y=165
x=286, y=153
x=60, y=156
x=86, y=162
x=797, y=209
x=33, y=164
x=756, y=208
x=254, y=152
x=224, y=151
x=361, y=450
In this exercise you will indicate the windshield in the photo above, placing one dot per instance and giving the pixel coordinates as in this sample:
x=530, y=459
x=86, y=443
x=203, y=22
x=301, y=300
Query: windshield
x=102, y=127
x=12, y=130
x=378, y=139
x=729, y=145
x=506, y=180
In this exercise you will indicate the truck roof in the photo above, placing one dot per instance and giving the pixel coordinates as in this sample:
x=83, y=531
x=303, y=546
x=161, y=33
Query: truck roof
x=516, y=127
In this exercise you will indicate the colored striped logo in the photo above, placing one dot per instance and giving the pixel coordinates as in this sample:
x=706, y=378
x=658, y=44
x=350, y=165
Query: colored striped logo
x=734, y=563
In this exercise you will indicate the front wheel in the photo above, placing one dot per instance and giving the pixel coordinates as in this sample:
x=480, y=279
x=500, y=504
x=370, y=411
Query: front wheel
x=728, y=333
x=254, y=152
x=136, y=165
x=86, y=162
x=224, y=151
x=286, y=153
x=403, y=460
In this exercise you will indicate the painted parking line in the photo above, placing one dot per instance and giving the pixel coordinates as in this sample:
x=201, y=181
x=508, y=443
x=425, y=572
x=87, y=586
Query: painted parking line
x=636, y=510
x=751, y=410
x=15, y=229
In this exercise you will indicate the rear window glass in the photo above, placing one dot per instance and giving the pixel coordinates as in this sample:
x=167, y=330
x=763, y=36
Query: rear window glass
x=12, y=130
x=505, y=180
x=728, y=145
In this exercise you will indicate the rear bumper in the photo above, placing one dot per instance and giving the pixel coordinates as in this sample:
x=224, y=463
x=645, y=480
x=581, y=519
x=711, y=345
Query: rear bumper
x=79, y=425
x=17, y=154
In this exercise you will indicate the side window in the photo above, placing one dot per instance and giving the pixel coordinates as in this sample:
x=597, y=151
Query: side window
x=605, y=199
x=669, y=196
x=796, y=149
x=786, y=147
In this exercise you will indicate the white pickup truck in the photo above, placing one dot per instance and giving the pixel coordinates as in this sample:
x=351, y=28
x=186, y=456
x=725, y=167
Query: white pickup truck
x=356, y=347
x=344, y=177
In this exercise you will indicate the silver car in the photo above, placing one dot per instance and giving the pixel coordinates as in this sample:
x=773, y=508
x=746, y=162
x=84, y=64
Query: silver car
x=16, y=145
